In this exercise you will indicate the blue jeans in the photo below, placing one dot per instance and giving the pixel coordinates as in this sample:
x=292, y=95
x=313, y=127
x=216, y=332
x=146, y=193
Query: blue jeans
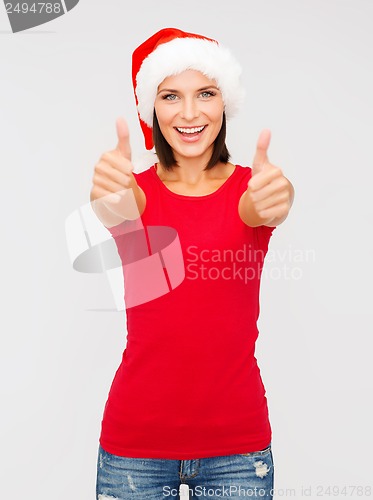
x=247, y=475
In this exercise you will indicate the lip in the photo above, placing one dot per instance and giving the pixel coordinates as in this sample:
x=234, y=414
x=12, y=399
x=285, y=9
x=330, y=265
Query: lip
x=192, y=138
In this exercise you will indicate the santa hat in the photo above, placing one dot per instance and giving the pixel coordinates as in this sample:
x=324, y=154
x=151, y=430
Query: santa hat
x=171, y=51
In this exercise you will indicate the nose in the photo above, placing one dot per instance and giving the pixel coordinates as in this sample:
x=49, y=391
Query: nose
x=189, y=110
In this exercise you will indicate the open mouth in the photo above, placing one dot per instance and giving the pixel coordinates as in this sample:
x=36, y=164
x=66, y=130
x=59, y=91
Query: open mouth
x=190, y=131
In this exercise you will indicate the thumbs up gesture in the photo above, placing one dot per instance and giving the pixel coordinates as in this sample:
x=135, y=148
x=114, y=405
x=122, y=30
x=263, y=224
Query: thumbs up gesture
x=270, y=192
x=114, y=186
x=113, y=172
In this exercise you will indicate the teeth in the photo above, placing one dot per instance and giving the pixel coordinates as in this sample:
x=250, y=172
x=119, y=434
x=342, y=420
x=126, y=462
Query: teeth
x=190, y=130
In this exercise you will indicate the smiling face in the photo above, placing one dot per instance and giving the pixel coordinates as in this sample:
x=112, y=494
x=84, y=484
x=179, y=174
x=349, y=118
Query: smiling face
x=189, y=108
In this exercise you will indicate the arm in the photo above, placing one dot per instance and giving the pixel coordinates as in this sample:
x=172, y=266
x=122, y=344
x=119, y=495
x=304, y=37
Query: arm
x=128, y=207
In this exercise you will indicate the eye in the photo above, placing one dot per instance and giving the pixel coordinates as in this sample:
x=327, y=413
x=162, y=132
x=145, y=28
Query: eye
x=169, y=97
x=207, y=93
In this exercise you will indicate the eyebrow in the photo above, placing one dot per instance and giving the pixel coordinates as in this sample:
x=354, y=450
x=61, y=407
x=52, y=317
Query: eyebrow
x=174, y=91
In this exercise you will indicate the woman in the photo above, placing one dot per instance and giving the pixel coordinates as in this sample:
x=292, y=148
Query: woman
x=187, y=403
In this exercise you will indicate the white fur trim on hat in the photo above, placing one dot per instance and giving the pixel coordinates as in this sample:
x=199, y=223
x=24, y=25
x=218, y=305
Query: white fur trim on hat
x=174, y=57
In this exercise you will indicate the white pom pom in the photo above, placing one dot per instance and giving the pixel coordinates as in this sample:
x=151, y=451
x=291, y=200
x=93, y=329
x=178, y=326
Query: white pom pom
x=144, y=161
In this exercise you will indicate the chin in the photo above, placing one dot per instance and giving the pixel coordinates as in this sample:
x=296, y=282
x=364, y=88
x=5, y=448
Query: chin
x=193, y=151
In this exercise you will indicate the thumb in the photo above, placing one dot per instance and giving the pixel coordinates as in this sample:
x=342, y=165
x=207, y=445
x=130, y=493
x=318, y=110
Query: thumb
x=123, y=135
x=261, y=151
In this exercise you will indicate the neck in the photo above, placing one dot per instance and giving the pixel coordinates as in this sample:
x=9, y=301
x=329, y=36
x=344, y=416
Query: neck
x=190, y=169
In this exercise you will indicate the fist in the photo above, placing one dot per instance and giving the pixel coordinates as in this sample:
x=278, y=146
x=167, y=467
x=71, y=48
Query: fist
x=269, y=189
x=113, y=172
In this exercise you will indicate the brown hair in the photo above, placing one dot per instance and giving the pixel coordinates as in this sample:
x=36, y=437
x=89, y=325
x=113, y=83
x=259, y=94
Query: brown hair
x=166, y=155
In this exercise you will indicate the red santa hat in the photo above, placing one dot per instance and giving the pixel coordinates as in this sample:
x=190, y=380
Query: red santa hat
x=171, y=51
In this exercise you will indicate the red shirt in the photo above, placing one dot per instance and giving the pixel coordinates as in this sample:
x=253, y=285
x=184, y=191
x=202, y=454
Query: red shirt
x=189, y=385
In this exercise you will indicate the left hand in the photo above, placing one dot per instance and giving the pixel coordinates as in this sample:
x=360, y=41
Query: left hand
x=270, y=191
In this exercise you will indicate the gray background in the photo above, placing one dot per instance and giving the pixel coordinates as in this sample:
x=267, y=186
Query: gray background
x=308, y=74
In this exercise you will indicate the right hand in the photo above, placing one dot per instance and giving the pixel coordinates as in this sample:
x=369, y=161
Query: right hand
x=113, y=175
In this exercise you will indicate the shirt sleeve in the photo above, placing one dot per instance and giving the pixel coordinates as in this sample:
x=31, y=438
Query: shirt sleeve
x=117, y=230
x=263, y=233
